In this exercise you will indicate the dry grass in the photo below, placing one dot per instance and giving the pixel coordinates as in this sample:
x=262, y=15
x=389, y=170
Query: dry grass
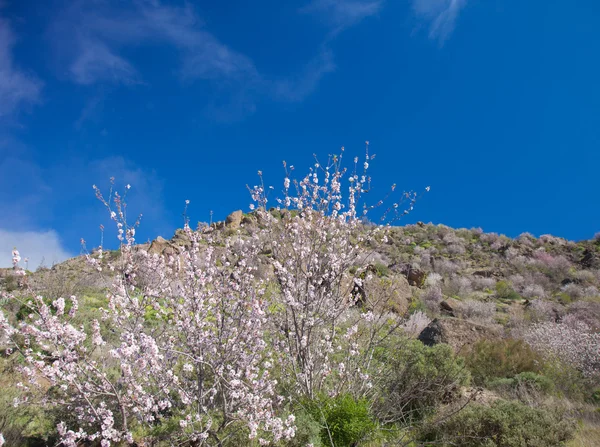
x=587, y=435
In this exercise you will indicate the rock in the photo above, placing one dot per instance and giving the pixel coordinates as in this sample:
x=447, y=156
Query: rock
x=416, y=277
x=588, y=260
x=459, y=334
x=432, y=334
x=566, y=281
x=234, y=220
x=485, y=273
x=249, y=220
x=181, y=238
x=160, y=246
x=388, y=293
x=447, y=309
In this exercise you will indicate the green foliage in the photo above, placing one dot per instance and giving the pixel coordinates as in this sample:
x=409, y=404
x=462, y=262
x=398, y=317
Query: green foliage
x=564, y=298
x=505, y=291
x=381, y=269
x=344, y=421
x=10, y=283
x=568, y=382
x=416, y=305
x=595, y=397
x=503, y=424
x=26, y=425
x=490, y=359
x=523, y=382
x=415, y=379
x=308, y=431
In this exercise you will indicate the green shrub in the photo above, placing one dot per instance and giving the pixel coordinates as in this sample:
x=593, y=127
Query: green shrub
x=505, y=291
x=490, y=359
x=503, y=424
x=381, y=269
x=415, y=379
x=564, y=298
x=568, y=382
x=25, y=425
x=344, y=421
x=308, y=431
x=595, y=397
x=10, y=283
x=525, y=382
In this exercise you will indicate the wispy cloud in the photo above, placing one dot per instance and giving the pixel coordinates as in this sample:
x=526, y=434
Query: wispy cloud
x=103, y=33
x=299, y=87
x=97, y=62
x=37, y=246
x=341, y=14
x=441, y=14
x=17, y=88
x=41, y=201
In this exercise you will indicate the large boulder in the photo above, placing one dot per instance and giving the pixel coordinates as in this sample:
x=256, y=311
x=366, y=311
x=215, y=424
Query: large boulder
x=460, y=334
x=161, y=246
x=415, y=277
x=390, y=293
x=234, y=220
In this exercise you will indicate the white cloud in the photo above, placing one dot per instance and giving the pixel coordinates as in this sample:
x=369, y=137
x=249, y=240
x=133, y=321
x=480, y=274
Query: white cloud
x=16, y=87
x=35, y=198
x=37, y=246
x=342, y=14
x=102, y=34
x=96, y=62
x=296, y=89
x=442, y=15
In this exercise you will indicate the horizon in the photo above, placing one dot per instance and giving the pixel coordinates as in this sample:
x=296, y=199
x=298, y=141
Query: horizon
x=495, y=106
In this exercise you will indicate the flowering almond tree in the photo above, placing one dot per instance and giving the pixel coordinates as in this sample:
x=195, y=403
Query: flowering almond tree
x=186, y=344
x=572, y=342
x=315, y=236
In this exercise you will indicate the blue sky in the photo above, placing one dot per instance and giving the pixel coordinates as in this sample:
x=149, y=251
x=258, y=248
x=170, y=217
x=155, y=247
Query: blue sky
x=495, y=104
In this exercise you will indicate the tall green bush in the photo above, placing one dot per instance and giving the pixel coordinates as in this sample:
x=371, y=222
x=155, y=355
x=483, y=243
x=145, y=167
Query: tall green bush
x=492, y=359
x=415, y=379
x=344, y=420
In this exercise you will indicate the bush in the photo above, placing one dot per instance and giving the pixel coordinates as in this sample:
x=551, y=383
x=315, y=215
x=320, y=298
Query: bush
x=24, y=426
x=568, y=381
x=478, y=311
x=489, y=360
x=344, y=421
x=381, y=269
x=505, y=291
x=523, y=383
x=503, y=424
x=416, y=379
x=308, y=431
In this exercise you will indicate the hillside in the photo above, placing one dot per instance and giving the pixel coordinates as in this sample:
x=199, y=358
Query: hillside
x=515, y=314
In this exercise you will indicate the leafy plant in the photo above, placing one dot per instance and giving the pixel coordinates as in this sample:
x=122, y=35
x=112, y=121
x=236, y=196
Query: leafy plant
x=503, y=424
x=505, y=291
x=415, y=379
x=488, y=360
x=344, y=421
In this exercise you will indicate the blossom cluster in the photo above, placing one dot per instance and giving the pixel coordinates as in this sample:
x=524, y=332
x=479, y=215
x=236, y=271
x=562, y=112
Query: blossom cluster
x=570, y=341
x=189, y=341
